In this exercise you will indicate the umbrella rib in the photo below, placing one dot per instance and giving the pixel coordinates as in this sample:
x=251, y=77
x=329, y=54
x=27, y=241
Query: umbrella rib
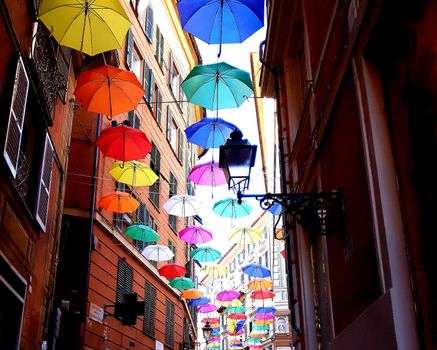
x=229, y=88
x=215, y=19
x=71, y=23
x=106, y=24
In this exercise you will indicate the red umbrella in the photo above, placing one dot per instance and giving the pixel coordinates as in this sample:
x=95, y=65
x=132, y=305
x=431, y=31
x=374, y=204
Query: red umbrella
x=262, y=294
x=172, y=271
x=123, y=143
x=238, y=316
x=210, y=320
x=109, y=90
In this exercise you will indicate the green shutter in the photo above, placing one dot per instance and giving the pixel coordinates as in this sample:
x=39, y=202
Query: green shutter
x=149, y=309
x=169, y=323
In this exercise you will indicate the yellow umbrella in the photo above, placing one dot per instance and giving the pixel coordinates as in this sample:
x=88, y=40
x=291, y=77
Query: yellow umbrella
x=245, y=235
x=133, y=173
x=263, y=322
x=214, y=270
x=191, y=294
x=89, y=26
x=259, y=283
x=234, y=302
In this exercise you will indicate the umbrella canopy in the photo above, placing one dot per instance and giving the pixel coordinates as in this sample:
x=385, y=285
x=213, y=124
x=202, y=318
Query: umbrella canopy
x=118, y=202
x=246, y=235
x=210, y=320
x=235, y=302
x=205, y=254
x=259, y=283
x=256, y=270
x=183, y=205
x=254, y=340
x=207, y=174
x=265, y=310
x=89, y=26
x=210, y=132
x=142, y=233
x=262, y=294
x=157, y=252
x=262, y=322
x=123, y=143
x=217, y=86
x=257, y=327
x=195, y=234
x=199, y=301
x=109, y=90
x=133, y=173
x=227, y=295
x=182, y=283
x=276, y=209
x=172, y=271
x=264, y=316
x=238, y=316
x=229, y=208
x=191, y=294
x=214, y=270
x=257, y=335
x=205, y=308
x=235, y=309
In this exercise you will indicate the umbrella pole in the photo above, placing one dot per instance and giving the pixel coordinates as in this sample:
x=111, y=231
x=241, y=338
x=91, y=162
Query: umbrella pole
x=221, y=28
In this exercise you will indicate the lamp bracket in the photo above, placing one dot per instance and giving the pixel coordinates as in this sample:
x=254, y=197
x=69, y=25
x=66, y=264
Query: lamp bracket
x=320, y=213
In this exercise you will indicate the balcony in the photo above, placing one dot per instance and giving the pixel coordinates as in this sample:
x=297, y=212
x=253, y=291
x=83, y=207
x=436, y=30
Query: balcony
x=22, y=181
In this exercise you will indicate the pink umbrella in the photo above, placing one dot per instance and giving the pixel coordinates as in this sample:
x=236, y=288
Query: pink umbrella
x=195, y=234
x=204, y=309
x=207, y=174
x=228, y=295
x=264, y=316
x=238, y=316
x=213, y=339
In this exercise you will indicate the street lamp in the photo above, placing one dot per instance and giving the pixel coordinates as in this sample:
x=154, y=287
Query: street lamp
x=320, y=213
x=207, y=331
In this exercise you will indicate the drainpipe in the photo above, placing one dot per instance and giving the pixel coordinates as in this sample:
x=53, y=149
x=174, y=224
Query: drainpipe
x=90, y=233
x=286, y=226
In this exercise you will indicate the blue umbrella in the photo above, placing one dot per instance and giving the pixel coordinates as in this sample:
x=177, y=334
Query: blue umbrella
x=240, y=325
x=265, y=310
x=229, y=208
x=199, y=302
x=210, y=132
x=256, y=270
x=276, y=209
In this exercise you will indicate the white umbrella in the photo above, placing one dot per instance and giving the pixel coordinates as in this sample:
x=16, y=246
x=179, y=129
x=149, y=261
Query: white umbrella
x=183, y=205
x=157, y=252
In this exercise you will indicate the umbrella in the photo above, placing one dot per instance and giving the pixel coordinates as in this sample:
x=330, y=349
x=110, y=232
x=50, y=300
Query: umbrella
x=265, y=309
x=210, y=132
x=205, y=308
x=182, y=283
x=207, y=174
x=205, y=254
x=214, y=339
x=259, y=283
x=254, y=340
x=257, y=335
x=227, y=295
x=276, y=209
x=199, y=301
x=183, y=205
x=235, y=309
x=245, y=235
x=133, y=173
x=214, y=270
x=262, y=322
x=191, y=294
x=257, y=327
x=210, y=320
x=229, y=208
x=109, y=90
x=195, y=234
x=283, y=253
x=238, y=316
x=264, y=316
x=256, y=270
x=235, y=302
x=142, y=233
x=118, y=202
x=217, y=86
x=262, y=294
x=172, y=271
x=157, y=252
x=123, y=143
x=88, y=26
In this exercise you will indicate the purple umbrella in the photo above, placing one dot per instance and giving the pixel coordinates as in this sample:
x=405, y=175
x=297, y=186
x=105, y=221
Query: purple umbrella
x=228, y=295
x=264, y=316
x=204, y=309
x=195, y=234
x=207, y=174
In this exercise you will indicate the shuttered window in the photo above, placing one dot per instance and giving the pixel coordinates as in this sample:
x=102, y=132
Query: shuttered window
x=129, y=49
x=45, y=178
x=149, y=23
x=148, y=83
x=142, y=213
x=169, y=122
x=155, y=164
x=181, y=146
x=17, y=112
x=169, y=323
x=173, y=188
x=149, y=309
x=124, y=281
x=134, y=120
x=158, y=110
x=172, y=247
x=159, y=47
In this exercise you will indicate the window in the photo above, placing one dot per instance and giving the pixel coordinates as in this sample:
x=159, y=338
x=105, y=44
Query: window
x=149, y=309
x=142, y=213
x=232, y=266
x=140, y=245
x=158, y=105
x=124, y=282
x=149, y=23
x=141, y=12
x=172, y=131
x=169, y=323
x=136, y=64
x=241, y=257
x=249, y=249
x=134, y=120
x=181, y=146
x=155, y=160
x=159, y=47
x=266, y=258
x=118, y=218
x=129, y=49
x=153, y=224
x=172, y=247
x=174, y=78
x=173, y=185
x=148, y=84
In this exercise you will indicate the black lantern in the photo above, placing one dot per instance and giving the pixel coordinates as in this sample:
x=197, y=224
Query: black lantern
x=237, y=157
x=207, y=331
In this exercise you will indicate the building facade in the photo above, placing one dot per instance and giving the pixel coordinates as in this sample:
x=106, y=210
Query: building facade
x=356, y=94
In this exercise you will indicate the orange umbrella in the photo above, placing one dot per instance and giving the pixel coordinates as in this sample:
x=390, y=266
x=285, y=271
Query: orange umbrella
x=118, y=202
x=263, y=322
x=259, y=283
x=191, y=294
x=109, y=90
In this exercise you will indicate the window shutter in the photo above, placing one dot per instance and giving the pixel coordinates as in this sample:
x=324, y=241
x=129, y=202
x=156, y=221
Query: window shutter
x=149, y=309
x=151, y=90
x=45, y=177
x=129, y=49
x=158, y=112
x=17, y=112
x=134, y=121
x=157, y=43
x=149, y=23
x=170, y=70
x=124, y=280
x=168, y=129
x=146, y=80
x=181, y=146
x=142, y=214
x=169, y=323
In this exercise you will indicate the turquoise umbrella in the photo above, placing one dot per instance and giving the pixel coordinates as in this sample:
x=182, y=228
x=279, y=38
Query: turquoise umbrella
x=142, y=233
x=235, y=309
x=182, y=283
x=205, y=254
x=257, y=327
x=229, y=208
x=217, y=86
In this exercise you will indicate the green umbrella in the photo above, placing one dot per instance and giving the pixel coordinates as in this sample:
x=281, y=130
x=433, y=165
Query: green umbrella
x=257, y=327
x=217, y=86
x=251, y=340
x=205, y=254
x=235, y=309
x=142, y=233
x=182, y=283
x=229, y=208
